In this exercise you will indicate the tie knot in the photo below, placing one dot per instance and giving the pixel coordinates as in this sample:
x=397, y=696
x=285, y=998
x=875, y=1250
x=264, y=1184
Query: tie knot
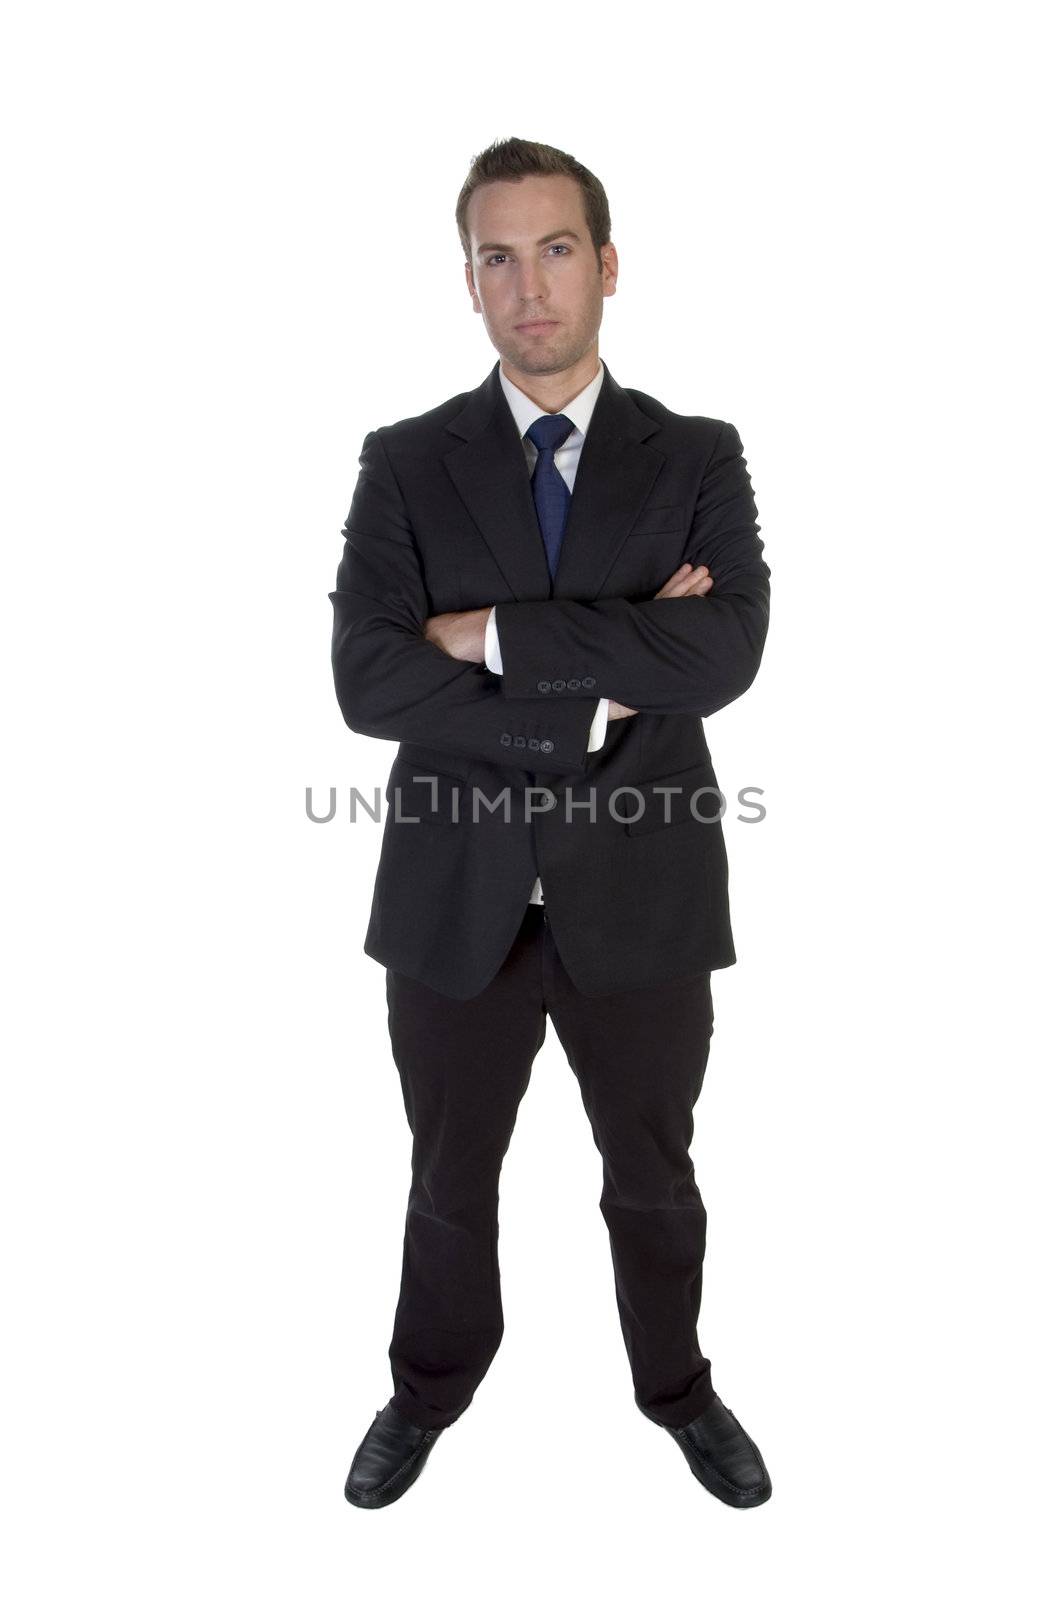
x=547, y=433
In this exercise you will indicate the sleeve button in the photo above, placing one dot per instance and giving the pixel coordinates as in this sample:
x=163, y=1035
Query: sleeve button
x=519, y=741
x=543, y=686
x=574, y=683
x=505, y=738
x=547, y=745
x=559, y=683
x=589, y=683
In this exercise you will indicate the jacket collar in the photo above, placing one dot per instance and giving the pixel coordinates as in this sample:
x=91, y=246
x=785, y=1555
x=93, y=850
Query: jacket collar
x=616, y=474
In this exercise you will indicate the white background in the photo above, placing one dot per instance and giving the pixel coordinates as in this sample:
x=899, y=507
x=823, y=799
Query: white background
x=232, y=252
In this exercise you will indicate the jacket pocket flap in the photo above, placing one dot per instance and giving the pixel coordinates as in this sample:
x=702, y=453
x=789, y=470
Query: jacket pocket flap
x=660, y=519
x=672, y=800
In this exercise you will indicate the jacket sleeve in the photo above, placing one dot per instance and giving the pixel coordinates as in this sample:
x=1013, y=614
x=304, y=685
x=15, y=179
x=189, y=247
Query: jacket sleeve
x=493, y=662
x=393, y=683
x=690, y=655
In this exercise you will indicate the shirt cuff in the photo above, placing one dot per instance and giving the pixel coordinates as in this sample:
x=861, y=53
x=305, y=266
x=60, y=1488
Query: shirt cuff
x=492, y=652
x=597, y=736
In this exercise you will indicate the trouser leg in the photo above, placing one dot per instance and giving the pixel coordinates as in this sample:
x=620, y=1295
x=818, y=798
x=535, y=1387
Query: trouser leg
x=640, y=1058
x=464, y=1066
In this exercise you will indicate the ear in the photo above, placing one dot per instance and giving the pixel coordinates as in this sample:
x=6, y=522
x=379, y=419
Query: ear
x=609, y=267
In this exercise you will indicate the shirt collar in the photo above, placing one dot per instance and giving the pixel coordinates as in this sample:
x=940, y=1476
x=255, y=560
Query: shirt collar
x=579, y=409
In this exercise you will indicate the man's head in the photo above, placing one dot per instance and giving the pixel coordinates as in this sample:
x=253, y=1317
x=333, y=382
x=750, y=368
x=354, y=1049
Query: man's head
x=535, y=229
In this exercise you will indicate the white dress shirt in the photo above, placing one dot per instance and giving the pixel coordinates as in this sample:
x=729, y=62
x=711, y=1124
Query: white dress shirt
x=566, y=459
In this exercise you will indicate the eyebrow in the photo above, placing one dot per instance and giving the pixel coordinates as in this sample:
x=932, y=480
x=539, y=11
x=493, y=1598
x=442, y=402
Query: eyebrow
x=548, y=238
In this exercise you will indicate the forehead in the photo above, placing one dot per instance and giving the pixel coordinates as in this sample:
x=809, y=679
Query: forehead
x=519, y=213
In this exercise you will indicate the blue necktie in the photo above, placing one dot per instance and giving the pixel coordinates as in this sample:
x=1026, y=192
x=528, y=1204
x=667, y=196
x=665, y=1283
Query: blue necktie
x=549, y=489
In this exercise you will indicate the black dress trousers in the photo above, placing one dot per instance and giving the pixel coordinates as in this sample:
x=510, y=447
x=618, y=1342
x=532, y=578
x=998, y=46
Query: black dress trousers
x=640, y=1058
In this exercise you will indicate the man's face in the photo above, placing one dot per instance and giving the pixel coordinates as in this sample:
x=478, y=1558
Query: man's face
x=533, y=261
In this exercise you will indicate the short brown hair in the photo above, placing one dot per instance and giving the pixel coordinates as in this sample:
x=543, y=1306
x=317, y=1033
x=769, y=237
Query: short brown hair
x=510, y=159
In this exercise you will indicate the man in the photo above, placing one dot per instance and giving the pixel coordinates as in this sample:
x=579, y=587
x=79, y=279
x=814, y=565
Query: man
x=547, y=583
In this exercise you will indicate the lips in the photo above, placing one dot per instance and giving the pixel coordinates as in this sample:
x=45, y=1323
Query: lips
x=525, y=327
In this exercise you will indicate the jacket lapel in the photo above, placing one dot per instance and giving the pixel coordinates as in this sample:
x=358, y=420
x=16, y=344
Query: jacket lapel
x=616, y=474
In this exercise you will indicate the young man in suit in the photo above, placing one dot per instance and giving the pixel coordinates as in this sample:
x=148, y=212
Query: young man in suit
x=547, y=583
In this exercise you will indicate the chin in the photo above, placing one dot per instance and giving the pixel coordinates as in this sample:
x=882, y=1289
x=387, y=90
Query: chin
x=539, y=359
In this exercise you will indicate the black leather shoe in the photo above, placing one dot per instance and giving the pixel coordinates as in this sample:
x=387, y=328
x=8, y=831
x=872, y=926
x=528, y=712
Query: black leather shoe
x=722, y=1456
x=388, y=1460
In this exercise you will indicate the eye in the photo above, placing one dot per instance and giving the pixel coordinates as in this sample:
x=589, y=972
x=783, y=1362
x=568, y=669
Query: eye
x=489, y=260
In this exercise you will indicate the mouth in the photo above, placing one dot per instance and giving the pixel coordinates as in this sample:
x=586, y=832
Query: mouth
x=535, y=327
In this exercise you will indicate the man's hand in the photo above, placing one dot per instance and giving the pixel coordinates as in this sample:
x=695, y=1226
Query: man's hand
x=683, y=582
x=459, y=634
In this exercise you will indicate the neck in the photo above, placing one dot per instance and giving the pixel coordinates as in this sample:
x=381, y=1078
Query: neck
x=552, y=391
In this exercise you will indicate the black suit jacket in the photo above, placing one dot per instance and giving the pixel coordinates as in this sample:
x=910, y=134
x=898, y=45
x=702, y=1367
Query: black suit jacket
x=442, y=519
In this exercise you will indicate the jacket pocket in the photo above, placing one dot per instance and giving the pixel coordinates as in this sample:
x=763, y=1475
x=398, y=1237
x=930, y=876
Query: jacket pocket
x=659, y=519
x=693, y=797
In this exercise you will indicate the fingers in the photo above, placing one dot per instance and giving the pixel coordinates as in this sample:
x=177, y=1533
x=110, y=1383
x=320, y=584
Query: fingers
x=685, y=581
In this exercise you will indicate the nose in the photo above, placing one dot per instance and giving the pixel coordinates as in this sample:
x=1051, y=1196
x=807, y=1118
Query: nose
x=530, y=284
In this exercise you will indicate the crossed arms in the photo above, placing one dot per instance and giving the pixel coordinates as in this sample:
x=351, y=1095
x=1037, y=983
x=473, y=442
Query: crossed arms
x=691, y=657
